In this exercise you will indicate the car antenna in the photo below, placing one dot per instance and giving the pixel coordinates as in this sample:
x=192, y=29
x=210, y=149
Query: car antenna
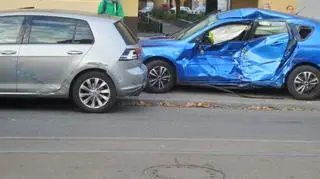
x=300, y=10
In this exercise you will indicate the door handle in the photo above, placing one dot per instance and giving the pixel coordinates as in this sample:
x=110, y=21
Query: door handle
x=74, y=52
x=8, y=52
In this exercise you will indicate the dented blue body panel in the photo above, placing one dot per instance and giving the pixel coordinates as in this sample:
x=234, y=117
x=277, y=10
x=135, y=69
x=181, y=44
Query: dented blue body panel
x=260, y=62
x=253, y=13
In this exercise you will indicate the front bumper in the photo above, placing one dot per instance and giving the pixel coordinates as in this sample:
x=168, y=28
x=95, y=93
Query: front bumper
x=135, y=81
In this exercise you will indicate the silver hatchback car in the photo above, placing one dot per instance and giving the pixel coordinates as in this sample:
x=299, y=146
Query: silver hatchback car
x=93, y=59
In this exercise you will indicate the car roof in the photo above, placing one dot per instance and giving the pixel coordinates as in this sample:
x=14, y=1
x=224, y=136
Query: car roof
x=255, y=13
x=262, y=14
x=59, y=13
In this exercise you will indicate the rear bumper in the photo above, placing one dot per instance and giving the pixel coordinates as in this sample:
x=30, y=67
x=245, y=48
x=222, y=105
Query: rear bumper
x=135, y=81
x=132, y=91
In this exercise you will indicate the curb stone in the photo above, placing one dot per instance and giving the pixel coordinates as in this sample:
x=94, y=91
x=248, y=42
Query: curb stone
x=212, y=105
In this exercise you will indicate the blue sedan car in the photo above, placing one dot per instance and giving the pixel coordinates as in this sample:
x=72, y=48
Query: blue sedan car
x=244, y=48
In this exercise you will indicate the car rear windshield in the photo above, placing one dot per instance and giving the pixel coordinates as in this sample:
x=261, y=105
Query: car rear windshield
x=126, y=33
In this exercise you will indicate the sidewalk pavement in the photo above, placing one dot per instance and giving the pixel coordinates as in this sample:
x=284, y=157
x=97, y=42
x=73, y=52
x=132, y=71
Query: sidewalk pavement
x=211, y=98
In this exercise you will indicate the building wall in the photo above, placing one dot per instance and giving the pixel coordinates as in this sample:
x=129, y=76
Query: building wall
x=310, y=8
x=235, y=4
x=130, y=7
x=279, y=5
x=13, y=4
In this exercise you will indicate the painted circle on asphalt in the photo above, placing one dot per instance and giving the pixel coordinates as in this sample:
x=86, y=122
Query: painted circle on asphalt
x=180, y=171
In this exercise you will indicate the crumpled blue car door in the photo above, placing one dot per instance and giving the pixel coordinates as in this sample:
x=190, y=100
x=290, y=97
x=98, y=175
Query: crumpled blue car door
x=237, y=63
x=261, y=58
x=216, y=63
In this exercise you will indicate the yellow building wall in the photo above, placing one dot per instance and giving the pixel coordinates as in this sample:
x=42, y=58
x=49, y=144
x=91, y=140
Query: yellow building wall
x=130, y=6
x=13, y=4
x=279, y=5
x=236, y=4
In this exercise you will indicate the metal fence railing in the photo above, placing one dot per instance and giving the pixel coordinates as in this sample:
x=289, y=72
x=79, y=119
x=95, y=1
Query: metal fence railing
x=147, y=25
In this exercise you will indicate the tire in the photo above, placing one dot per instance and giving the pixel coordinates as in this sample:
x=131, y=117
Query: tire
x=107, y=93
x=167, y=83
x=301, y=88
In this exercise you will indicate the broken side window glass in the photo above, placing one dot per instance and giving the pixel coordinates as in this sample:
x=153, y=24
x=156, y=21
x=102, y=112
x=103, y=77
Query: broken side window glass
x=228, y=32
x=203, y=24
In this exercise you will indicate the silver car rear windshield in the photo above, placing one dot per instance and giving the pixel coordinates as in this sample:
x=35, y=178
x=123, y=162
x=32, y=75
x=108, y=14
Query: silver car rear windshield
x=126, y=33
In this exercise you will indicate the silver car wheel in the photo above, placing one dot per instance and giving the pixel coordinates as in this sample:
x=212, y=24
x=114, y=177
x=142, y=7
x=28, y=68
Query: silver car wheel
x=94, y=93
x=305, y=82
x=159, y=77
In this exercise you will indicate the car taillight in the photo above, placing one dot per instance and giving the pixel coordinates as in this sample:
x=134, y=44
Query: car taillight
x=129, y=54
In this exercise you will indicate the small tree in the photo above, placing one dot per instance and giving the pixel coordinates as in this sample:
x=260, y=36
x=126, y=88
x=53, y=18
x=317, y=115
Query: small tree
x=178, y=4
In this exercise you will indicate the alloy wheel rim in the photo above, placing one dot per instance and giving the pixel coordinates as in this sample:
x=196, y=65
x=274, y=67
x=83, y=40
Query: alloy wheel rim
x=305, y=82
x=159, y=77
x=94, y=93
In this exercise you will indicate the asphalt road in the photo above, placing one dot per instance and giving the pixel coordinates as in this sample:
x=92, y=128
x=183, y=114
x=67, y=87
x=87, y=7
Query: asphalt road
x=49, y=138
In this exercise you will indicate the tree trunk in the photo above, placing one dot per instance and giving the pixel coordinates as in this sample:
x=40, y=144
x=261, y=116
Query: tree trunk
x=170, y=4
x=178, y=4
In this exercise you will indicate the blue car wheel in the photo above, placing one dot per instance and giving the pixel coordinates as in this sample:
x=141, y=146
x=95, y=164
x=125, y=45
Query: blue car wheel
x=304, y=83
x=161, y=76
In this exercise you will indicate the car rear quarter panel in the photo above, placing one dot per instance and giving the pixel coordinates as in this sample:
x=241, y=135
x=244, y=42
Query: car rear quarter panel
x=106, y=51
x=308, y=51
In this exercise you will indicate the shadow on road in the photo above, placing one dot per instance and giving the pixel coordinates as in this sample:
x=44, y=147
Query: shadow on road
x=48, y=104
x=52, y=104
x=36, y=104
x=260, y=92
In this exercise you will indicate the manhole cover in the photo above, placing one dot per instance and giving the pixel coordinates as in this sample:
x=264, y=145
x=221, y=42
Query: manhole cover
x=179, y=171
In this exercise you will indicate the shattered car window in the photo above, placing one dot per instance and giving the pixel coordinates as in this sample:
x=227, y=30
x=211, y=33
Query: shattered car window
x=210, y=20
x=266, y=28
x=228, y=32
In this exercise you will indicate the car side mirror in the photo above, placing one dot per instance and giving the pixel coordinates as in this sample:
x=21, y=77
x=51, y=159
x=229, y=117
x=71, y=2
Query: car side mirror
x=198, y=40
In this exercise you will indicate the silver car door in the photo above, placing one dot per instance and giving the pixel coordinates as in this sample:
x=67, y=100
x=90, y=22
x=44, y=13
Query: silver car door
x=53, y=48
x=11, y=28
